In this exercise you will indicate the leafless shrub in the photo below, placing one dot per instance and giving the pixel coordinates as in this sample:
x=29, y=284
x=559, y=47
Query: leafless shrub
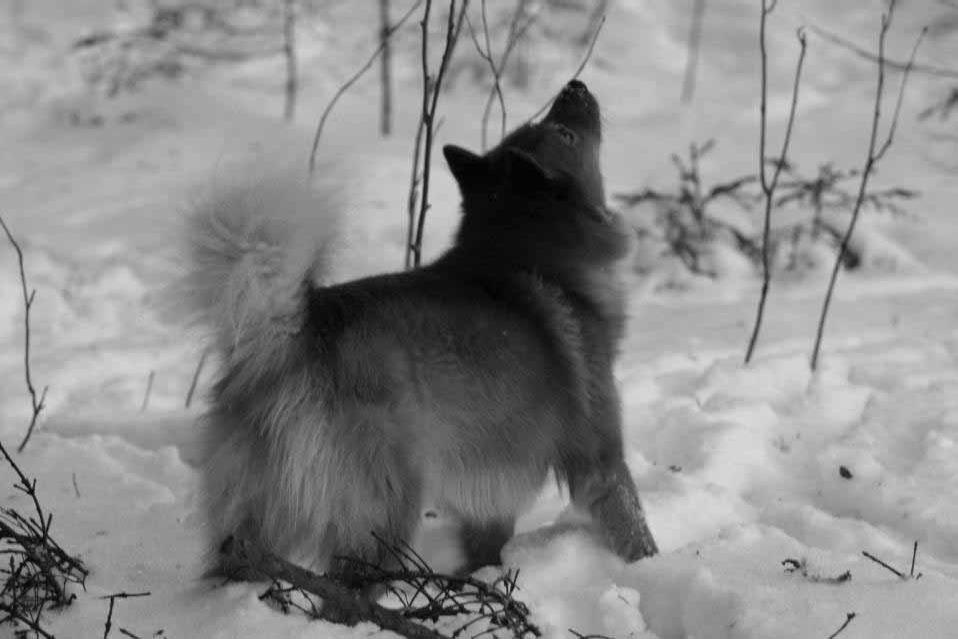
x=826, y=192
x=38, y=573
x=684, y=219
x=689, y=221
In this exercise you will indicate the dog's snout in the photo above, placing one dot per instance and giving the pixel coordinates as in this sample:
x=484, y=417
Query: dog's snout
x=576, y=85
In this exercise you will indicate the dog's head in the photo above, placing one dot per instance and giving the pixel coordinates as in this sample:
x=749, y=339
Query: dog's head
x=539, y=194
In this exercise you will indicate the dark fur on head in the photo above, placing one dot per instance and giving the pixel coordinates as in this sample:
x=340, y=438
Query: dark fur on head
x=536, y=203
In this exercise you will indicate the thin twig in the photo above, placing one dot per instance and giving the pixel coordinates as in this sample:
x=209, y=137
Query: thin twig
x=909, y=66
x=430, y=103
x=695, y=41
x=768, y=188
x=289, y=52
x=149, y=389
x=516, y=31
x=352, y=80
x=28, y=297
x=196, y=377
x=848, y=619
x=881, y=563
x=914, y=555
x=578, y=71
x=109, y=615
x=870, y=161
x=385, y=71
x=76, y=489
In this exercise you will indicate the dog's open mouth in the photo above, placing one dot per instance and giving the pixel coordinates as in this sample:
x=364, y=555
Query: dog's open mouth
x=576, y=108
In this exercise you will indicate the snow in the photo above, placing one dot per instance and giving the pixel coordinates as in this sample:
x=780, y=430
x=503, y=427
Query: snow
x=740, y=467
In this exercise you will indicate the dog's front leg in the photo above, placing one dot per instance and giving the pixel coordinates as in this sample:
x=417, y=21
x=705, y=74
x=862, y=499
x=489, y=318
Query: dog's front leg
x=610, y=496
x=602, y=484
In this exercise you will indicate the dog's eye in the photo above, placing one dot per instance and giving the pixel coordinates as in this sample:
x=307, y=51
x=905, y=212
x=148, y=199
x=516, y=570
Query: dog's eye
x=567, y=135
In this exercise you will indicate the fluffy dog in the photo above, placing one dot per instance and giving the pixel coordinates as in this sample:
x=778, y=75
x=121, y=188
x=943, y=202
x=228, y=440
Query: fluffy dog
x=341, y=410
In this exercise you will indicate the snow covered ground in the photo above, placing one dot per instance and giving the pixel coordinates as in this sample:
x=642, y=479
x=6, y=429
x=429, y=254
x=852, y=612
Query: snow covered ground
x=740, y=467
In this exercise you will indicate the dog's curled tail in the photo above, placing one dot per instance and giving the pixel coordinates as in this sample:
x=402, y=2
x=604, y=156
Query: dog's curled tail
x=255, y=249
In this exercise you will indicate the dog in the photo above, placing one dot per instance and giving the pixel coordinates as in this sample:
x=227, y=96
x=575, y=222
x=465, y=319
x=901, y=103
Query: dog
x=341, y=410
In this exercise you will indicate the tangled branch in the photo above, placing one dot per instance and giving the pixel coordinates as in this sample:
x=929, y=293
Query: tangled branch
x=38, y=571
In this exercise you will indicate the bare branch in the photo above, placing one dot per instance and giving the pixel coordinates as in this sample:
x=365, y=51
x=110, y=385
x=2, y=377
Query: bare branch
x=149, y=390
x=695, y=41
x=28, y=298
x=289, y=52
x=909, y=66
x=352, y=80
x=585, y=61
x=517, y=29
x=901, y=96
x=385, y=71
x=431, y=90
x=768, y=189
x=871, y=160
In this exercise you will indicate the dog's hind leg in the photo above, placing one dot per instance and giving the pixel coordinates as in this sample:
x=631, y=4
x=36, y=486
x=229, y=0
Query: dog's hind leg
x=380, y=517
x=482, y=541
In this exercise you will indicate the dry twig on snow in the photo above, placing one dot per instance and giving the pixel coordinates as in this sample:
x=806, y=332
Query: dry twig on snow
x=425, y=594
x=108, y=625
x=340, y=604
x=848, y=619
x=37, y=572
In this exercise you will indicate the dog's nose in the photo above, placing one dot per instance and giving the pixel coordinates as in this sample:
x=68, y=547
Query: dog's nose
x=576, y=85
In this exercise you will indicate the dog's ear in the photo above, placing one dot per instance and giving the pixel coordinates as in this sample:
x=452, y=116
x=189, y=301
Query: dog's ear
x=524, y=171
x=468, y=168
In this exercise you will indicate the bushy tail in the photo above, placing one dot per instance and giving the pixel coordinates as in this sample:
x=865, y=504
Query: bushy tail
x=255, y=249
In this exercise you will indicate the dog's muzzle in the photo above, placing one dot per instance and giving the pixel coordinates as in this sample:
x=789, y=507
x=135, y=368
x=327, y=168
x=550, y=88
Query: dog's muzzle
x=577, y=108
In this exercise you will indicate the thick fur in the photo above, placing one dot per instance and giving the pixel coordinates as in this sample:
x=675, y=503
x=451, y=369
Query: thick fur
x=342, y=409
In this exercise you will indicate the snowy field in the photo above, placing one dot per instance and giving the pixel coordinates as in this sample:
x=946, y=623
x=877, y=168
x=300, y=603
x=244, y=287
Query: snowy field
x=740, y=468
